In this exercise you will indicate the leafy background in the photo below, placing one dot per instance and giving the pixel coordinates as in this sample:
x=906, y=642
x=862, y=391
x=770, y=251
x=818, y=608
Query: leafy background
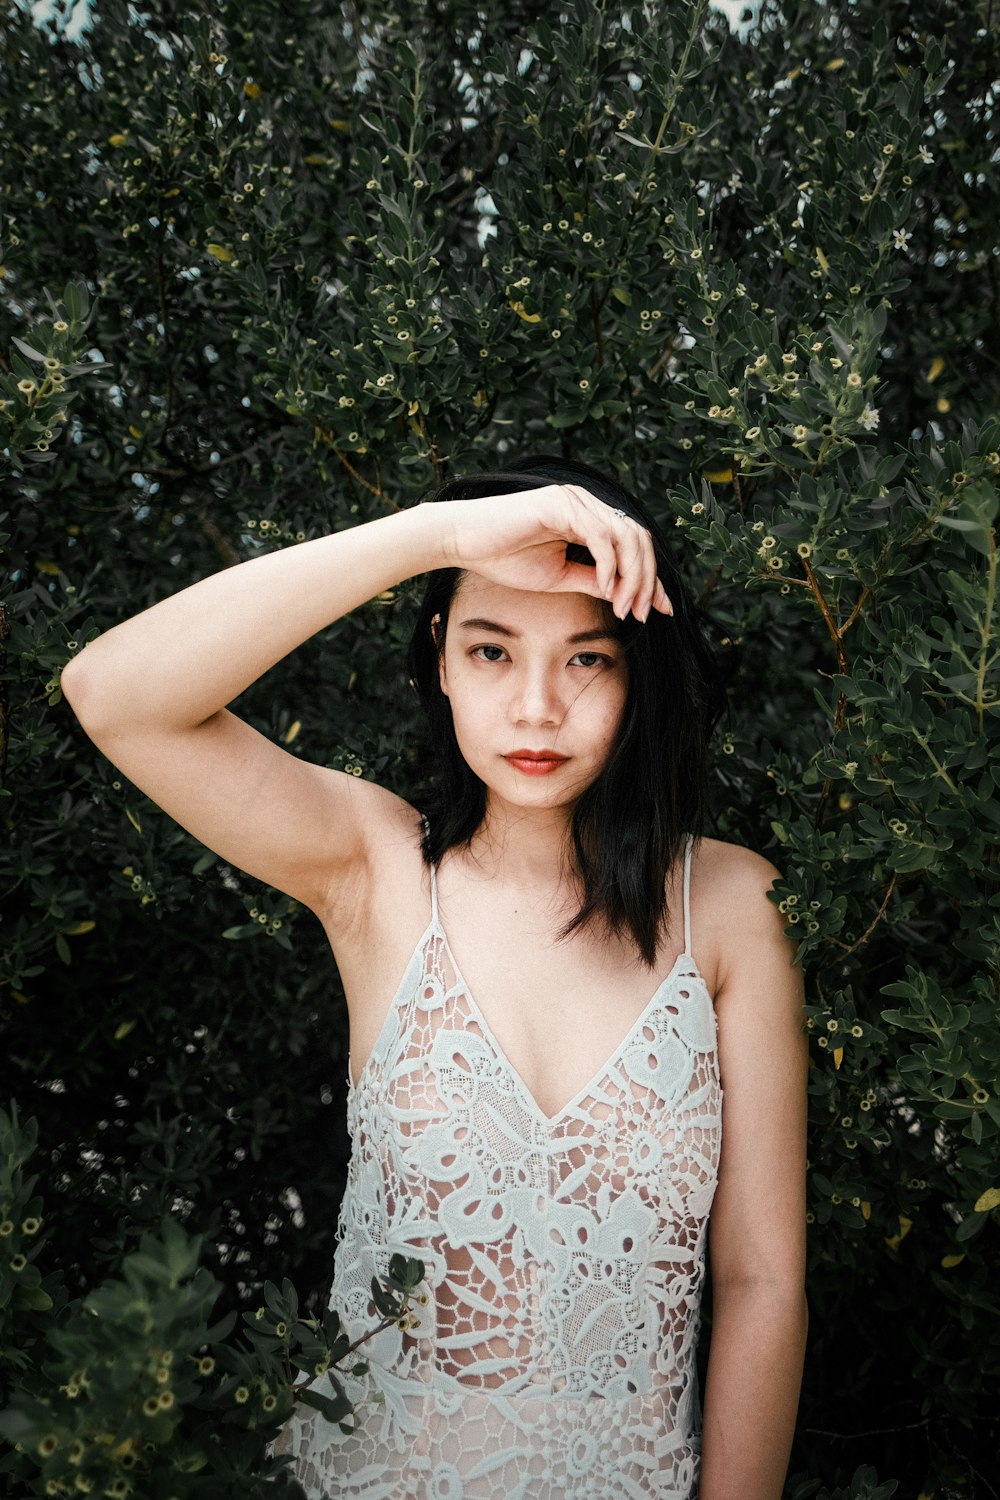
x=270, y=272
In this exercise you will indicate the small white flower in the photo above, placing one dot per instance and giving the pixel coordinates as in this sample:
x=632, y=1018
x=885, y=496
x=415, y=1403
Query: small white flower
x=869, y=419
x=900, y=238
x=925, y=156
x=735, y=181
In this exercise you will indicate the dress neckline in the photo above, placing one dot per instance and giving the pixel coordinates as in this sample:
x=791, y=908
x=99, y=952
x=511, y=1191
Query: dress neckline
x=692, y=971
x=435, y=926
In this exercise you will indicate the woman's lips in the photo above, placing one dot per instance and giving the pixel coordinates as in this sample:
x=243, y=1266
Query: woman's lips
x=534, y=767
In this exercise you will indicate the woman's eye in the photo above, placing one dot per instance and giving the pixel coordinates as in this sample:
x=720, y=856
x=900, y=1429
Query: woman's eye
x=595, y=656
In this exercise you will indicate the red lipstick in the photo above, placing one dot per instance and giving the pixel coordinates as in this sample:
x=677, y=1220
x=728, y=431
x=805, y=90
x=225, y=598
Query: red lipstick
x=535, y=762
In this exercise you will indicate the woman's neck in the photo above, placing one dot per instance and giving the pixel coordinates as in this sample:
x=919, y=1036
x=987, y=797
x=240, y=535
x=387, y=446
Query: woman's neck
x=525, y=849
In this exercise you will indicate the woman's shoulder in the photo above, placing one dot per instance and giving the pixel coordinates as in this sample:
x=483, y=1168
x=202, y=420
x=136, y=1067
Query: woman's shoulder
x=732, y=866
x=729, y=886
x=736, y=916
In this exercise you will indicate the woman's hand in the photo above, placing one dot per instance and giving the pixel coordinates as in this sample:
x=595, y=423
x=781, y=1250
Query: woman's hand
x=520, y=540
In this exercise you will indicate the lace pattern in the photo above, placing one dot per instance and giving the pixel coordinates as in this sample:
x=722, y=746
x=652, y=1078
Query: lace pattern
x=564, y=1256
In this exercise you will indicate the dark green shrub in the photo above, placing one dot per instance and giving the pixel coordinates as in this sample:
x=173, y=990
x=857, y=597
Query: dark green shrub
x=762, y=285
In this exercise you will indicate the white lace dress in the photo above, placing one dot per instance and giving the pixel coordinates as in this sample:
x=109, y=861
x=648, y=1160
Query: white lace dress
x=564, y=1256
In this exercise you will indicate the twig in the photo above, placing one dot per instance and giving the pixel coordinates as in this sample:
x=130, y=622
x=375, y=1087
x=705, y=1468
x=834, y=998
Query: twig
x=872, y=1431
x=875, y=920
x=223, y=545
x=671, y=343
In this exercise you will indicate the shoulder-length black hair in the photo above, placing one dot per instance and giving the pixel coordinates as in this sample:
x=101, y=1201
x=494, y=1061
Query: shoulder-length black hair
x=630, y=824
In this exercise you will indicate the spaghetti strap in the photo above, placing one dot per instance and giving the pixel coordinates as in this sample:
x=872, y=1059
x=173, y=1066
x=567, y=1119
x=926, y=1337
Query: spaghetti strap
x=434, y=893
x=434, y=896
x=687, y=895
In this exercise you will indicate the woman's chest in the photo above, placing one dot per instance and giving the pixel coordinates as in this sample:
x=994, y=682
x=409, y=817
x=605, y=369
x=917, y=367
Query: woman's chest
x=552, y=1013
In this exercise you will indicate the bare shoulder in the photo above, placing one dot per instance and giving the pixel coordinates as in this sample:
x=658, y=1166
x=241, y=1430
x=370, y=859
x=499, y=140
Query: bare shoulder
x=737, y=920
x=733, y=861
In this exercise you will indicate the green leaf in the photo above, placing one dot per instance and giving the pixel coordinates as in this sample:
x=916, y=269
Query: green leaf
x=76, y=300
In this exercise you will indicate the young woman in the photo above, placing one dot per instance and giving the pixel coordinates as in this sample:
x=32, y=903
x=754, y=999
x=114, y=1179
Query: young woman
x=593, y=1065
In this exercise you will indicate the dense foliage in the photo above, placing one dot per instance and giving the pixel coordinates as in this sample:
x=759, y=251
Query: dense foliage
x=271, y=271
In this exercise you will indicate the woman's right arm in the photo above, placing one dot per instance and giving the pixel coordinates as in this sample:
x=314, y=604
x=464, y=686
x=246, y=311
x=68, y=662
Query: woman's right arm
x=152, y=691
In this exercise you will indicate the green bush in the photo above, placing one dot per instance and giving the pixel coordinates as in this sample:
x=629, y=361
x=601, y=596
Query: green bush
x=270, y=272
x=138, y=1389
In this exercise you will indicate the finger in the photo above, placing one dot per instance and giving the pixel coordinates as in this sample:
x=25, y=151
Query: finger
x=639, y=568
x=628, y=547
x=647, y=569
x=600, y=541
x=645, y=573
x=654, y=582
x=615, y=542
x=650, y=593
x=602, y=549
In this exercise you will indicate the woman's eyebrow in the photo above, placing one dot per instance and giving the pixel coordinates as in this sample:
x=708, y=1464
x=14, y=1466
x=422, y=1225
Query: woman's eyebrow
x=599, y=634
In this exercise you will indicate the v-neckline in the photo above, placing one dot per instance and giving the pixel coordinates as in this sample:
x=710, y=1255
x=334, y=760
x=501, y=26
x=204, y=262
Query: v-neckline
x=502, y=1056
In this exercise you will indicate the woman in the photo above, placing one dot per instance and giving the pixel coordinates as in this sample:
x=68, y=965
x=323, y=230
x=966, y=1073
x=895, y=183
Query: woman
x=594, y=1063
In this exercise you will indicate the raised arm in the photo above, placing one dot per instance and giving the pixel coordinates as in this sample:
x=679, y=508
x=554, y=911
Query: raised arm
x=151, y=694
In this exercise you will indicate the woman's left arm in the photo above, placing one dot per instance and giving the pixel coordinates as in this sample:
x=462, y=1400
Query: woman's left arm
x=757, y=1227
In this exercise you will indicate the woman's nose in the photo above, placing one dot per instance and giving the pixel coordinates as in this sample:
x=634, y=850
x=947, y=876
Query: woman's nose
x=537, y=699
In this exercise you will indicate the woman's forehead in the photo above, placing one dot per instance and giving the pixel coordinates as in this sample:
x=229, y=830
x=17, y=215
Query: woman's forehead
x=524, y=608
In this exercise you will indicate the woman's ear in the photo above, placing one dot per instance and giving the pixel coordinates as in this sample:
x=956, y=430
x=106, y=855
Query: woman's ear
x=438, y=641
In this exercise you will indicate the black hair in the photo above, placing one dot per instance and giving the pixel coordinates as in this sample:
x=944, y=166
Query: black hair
x=629, y=825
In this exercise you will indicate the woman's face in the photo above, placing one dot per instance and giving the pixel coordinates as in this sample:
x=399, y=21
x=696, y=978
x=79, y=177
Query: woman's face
x=530, y=686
